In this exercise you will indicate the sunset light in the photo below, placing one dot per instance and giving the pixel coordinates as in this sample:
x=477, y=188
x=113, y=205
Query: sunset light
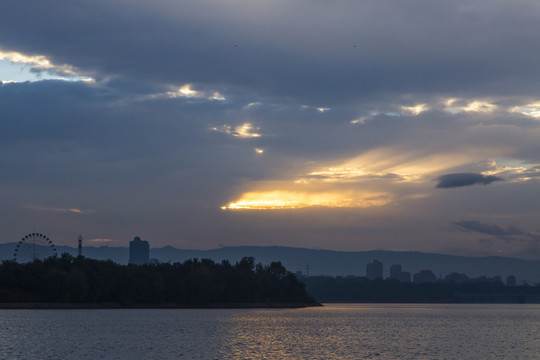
x=416, y=109
x=273, y=200
x=246, y=130
x=458, y=105
x=387, y=163
x=532, y=109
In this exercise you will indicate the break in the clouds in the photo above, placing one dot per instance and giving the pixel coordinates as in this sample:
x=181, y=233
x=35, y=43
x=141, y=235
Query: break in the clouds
x=301, y=123
x=465, y=179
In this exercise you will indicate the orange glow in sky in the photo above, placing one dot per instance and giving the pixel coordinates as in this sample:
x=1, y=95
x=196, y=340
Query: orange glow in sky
x=295, y=200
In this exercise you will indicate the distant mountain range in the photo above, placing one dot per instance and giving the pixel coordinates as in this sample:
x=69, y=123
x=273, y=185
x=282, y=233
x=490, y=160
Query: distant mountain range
x=325, y=262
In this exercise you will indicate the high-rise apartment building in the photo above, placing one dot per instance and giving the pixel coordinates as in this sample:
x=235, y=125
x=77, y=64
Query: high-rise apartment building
x=139, y=251
x=374, y=270
x=397, y=274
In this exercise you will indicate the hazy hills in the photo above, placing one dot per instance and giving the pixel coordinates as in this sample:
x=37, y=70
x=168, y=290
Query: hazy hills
x=326, y=262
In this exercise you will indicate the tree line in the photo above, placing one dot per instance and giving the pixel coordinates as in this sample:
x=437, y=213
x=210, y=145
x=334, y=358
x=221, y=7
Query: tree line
x=360, y=289
x=68, y=279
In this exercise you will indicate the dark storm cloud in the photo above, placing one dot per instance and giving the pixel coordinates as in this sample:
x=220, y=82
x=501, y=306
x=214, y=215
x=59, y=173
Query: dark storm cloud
x=336, y=54
x=465, y=179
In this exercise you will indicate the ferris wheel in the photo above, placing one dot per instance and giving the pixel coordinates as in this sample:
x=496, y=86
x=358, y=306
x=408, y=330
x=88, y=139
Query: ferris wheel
x=34, y=246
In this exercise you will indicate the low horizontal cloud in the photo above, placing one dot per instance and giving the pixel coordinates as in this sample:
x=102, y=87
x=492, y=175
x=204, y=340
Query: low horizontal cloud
x=487, y=229
x=465, y=179
x=68, y=210
x=509, y=233
x=100, y=240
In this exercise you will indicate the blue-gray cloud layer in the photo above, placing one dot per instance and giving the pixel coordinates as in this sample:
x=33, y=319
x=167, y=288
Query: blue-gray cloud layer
x=320, y=53
x=146, y=161
x=488, y=229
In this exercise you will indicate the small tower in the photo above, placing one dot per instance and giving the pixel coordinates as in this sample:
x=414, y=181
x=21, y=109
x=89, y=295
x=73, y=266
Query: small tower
x=79, y=240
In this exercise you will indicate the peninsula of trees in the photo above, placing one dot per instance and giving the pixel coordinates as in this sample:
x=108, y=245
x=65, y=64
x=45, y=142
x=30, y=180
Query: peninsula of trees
x=193, y=283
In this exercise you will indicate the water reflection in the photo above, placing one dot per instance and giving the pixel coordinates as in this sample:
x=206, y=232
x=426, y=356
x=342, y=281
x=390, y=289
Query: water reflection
x=333, y=332
x=386, y=332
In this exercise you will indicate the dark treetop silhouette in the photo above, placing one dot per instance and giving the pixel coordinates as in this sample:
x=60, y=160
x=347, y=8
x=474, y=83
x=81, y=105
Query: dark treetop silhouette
x=67, y=279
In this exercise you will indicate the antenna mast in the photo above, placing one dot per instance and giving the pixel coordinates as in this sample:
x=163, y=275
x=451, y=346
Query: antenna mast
x=79, y=239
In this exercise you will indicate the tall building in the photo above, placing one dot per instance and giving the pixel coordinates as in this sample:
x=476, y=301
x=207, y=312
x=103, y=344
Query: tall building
x=395, y=271
x=374, y=270
x=397, y=274
x=424, y=276
x=139, y=251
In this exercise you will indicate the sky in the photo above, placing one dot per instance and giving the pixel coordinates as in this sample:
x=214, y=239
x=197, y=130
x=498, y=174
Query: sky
x=346, y=125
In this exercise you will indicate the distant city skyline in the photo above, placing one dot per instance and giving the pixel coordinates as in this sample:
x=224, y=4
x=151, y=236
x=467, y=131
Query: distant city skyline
x=399, y=265
x=406, y=126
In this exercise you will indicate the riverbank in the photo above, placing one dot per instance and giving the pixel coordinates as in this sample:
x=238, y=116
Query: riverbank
x=74, y=306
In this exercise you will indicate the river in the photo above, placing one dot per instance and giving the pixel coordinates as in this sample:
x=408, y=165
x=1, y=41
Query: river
x=335, y=331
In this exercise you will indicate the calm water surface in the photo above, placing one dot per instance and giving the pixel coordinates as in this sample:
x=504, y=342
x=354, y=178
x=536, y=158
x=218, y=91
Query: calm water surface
x=351, y=331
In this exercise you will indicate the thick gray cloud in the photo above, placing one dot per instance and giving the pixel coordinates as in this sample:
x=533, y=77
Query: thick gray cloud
x=465, y=179
x=318, y=53
x=414, y=89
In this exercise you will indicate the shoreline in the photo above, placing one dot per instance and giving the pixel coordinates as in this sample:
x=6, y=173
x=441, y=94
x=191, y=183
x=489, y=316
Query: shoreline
x=98, y=306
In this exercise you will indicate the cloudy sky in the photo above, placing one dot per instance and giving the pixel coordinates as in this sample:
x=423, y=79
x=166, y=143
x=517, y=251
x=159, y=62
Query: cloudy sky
x=346, y=125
